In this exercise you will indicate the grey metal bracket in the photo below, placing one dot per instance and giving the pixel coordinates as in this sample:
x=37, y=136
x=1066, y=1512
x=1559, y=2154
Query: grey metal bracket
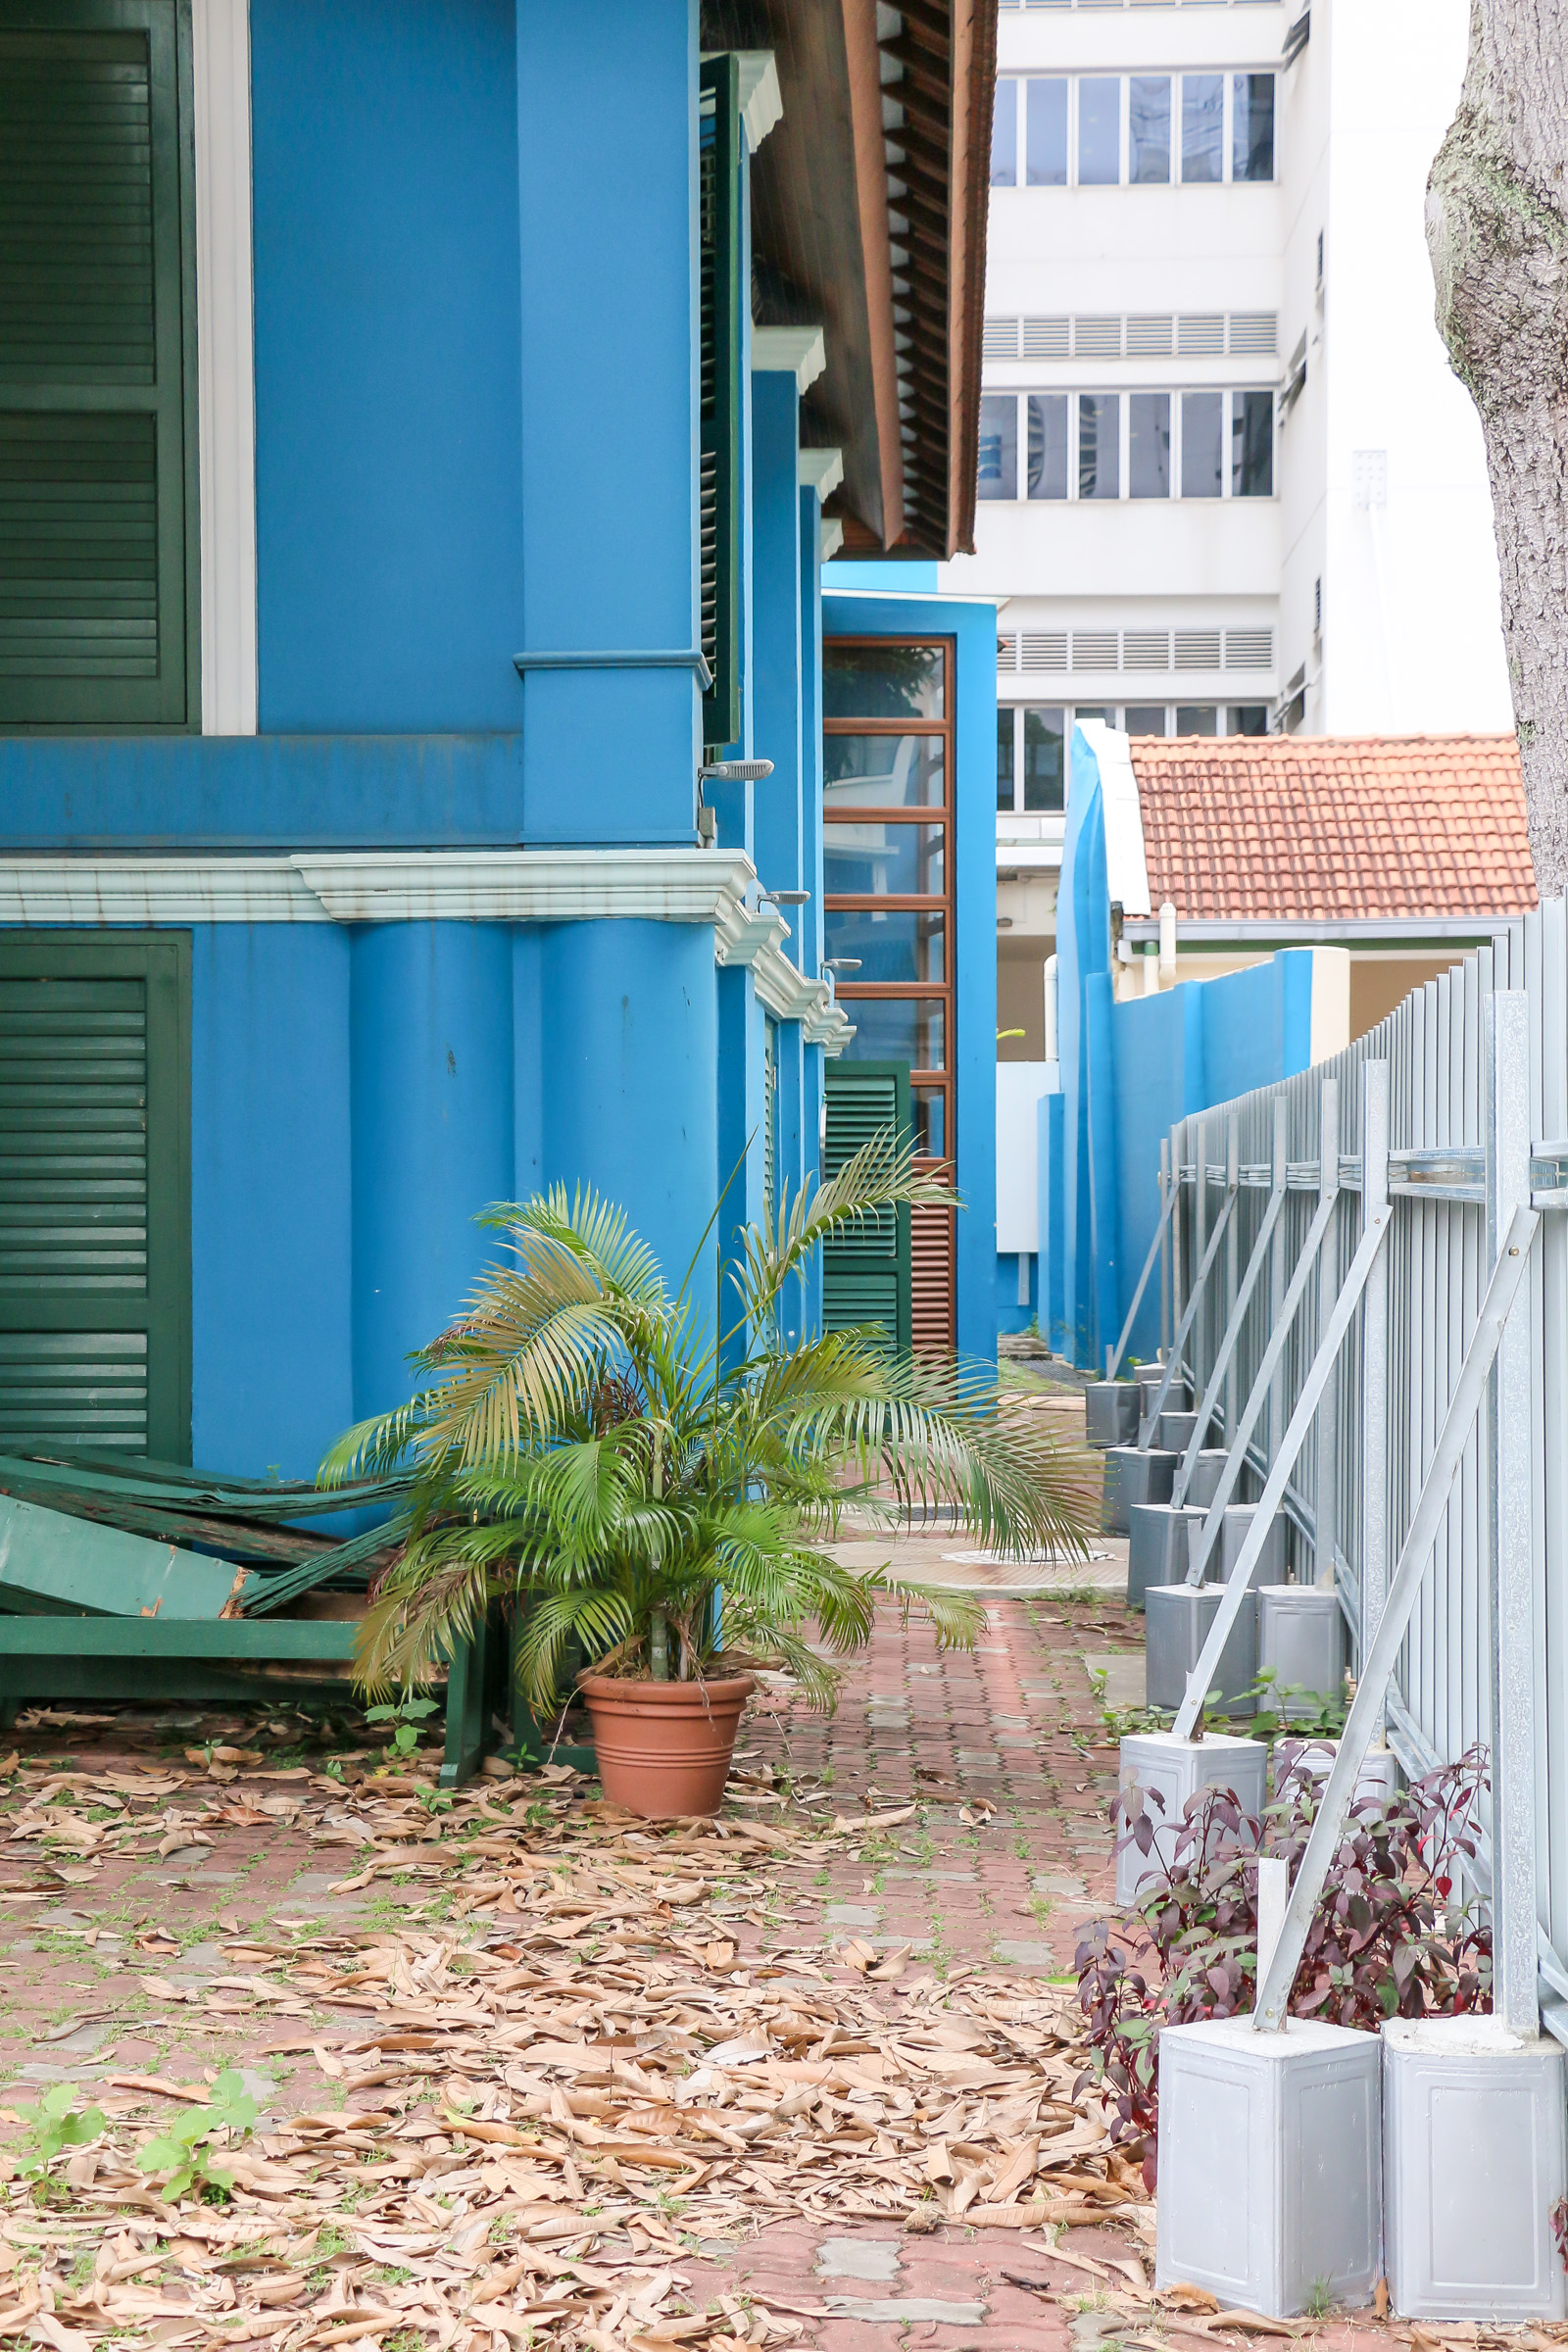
x=1233, y=1330
x=1190, y=1310
x=1404, y=1587
x=1113, y=1357
x=1312, y=1387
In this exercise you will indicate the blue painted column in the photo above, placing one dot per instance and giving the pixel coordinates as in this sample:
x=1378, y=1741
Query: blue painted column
x=272, y=1228
x=607, y=141
x=431, y=1105
x=628, y=1016
x=809, y=933
x=742, y=1108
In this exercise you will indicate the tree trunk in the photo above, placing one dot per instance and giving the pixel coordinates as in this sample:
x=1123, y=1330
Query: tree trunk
x=1498, y=232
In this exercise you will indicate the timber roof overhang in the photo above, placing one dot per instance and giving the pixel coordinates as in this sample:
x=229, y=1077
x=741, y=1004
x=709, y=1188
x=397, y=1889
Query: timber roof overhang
x=868, y=219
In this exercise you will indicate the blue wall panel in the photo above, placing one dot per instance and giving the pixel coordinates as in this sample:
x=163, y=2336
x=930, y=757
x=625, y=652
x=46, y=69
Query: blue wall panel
x=607, y=141
x=388, y=340
x=431, y=1084
x=272, y=1231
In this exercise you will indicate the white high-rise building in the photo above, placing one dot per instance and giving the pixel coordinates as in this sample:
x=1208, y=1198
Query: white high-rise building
x=1228, y=483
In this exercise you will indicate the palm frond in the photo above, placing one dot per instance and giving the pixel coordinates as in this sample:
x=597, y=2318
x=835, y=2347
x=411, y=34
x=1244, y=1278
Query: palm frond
x=881, y=1175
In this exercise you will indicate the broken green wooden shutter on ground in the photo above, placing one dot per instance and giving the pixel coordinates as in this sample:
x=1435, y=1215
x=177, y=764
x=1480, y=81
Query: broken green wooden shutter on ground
x=96, y=1193
x=719, y=247
x=865, y=1273
x=98, y=523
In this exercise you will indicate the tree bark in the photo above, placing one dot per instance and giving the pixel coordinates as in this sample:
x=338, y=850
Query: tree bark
x=1497, y=233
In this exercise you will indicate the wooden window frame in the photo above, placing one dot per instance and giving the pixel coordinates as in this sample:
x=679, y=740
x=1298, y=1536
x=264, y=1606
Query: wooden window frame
x=939, y=1082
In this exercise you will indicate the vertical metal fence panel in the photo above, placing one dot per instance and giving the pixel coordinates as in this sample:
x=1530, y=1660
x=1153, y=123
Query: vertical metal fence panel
x=1437, y=1268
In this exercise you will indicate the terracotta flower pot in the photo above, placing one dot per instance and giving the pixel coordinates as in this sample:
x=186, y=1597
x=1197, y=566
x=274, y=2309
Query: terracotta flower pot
x=663, y=1749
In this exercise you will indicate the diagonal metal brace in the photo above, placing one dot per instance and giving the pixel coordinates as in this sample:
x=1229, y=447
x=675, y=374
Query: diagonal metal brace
x=1252, y=1413
x=1233, y=1332
x=1404, y=1588
x=1113, y=1361
x=1190, y=1310
x=1317, y=1379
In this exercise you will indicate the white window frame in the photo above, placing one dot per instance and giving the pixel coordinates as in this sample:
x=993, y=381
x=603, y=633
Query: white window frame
x=225, y=357
x=1174, y=74
x=1229, y=393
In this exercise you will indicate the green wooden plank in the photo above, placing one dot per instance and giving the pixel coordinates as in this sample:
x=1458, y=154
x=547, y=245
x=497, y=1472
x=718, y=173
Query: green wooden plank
x=235, y=1639
x=47, y=1557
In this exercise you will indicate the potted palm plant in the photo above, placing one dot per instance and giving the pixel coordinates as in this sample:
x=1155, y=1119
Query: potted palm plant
x=658, y=1489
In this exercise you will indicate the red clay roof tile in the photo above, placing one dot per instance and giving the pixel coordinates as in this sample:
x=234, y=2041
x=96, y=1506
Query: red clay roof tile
x=1304, y=828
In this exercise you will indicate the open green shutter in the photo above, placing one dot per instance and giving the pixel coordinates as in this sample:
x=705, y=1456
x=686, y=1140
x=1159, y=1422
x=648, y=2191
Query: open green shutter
x=97, y=375
x=94, y=1194
x=720, y=474
x=769, y=1121
x=866, y=1272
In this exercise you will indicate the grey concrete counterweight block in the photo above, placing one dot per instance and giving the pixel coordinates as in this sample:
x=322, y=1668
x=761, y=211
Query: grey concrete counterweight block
x=1270, y=1569
x=1176, y=1623
x=1175, y=1429
x=1270, y=2163
x=1133, y=1477
x=1173, y=1771
x=1301, y=1637
x=1157, y=1548
x=1474, y=2160
x=1110, y=1413
x=1207, y=1470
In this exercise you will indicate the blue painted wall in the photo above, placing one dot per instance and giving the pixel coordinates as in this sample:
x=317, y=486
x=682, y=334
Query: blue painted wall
x=607, y=141
x=973, y=628
x=388, y=355
x=271, y=1208
x=1128, y=1072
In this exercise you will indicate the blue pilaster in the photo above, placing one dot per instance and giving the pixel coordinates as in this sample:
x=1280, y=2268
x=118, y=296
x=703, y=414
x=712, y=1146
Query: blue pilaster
x=628, y=1016
x=432, y=1088
x=809, y=933
x=272, y=1228
x=607, y=145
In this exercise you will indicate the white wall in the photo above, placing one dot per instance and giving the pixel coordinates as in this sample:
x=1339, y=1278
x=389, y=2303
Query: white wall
x=1019, y=1086
x=1411, y=640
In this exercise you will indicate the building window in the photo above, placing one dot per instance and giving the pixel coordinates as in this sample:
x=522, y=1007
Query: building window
x=1149, y=130
x=100, y=616
x=1175, y=445
x=1099, y=444
x=1149, y=445
x=1252, y=127
x=1033, y=741
x=887, y=808
x=999, y=445
x=1251, y=445
x=1099, y=130
x=1048, y=444
x=1045, y=133
x=1005, y=133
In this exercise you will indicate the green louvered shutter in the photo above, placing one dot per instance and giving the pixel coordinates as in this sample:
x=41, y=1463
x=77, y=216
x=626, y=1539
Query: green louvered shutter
x=97, y=365
x=720, y=474
x=865, y=1273
x=94, y=1194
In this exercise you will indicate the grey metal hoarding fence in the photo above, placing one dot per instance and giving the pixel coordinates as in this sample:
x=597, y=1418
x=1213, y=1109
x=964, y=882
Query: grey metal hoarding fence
x=1374, y=1201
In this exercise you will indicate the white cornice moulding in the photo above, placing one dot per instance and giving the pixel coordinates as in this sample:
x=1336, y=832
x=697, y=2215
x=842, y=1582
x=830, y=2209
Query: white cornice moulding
x=743, y=935
x=762, y=99
x=820, y=469
x=832, y=538
x=156, y=889
x=529, y=886
x=798, y=351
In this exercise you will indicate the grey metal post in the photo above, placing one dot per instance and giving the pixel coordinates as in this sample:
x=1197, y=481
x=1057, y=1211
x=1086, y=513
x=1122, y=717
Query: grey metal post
x=1224, y=1362
x=1200, y=1246
x=1327, y=1505
x=1374, y=1368
x=1505, y=1034
x=1166, y=1205
x=1232, y=1275
x=1276, y=1282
